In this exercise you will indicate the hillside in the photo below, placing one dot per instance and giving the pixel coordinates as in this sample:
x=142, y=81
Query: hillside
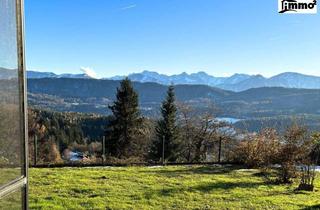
x=90, y=95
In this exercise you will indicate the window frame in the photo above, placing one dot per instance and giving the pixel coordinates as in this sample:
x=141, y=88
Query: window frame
x=20, y=183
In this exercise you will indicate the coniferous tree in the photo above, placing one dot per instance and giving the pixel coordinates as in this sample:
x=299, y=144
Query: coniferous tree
x=167, y=130
x=124, y=127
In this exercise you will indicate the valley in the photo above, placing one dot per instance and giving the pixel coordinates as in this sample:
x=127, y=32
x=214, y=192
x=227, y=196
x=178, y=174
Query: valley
x=255, y=107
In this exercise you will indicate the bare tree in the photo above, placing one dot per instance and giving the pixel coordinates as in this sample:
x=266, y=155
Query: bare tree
x=200, y=131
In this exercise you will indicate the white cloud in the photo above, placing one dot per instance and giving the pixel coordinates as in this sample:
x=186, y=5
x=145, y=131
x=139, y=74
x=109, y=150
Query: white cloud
x=129, y=7
x=88, y=71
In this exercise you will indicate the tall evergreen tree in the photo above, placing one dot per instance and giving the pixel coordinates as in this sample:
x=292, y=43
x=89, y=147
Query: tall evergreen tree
x=123, y=128
x=167, y=130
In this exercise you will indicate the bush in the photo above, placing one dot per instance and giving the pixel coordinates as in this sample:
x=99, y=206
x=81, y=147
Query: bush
x=290, y=150
x=90, y=160
x=95, y=147
x=307, y=174
x=53, y=153
x=259, y=151
x=293, y=151
x=308, y=169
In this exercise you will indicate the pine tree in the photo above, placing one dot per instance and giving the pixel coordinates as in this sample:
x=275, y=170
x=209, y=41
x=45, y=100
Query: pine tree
x=167, y=130
x=123, y=128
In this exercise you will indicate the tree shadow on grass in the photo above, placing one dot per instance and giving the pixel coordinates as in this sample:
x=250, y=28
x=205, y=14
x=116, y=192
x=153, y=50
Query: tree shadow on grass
x=225, y=186
x=203, y=188
x=314, y=207
x=196, y=170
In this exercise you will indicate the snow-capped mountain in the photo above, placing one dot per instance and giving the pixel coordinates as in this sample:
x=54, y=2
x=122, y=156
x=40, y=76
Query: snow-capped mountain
x=237, y=82
x=236, y=78
x=287, y=80
x=39, y=75
x=295, y=80
x=183, y=78
x=254, y=81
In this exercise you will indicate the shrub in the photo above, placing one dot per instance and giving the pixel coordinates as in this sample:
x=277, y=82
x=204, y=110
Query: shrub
x=307, y=174
x=95, y=147
x=53, y=153
x=90, y=160
x=308, y=169
x=293, y=151
x=259, y=151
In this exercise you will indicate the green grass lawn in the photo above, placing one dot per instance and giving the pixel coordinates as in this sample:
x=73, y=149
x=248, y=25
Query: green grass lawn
x=172, y=187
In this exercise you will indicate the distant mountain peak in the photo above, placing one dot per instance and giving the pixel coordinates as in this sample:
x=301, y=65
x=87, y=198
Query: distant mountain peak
x=40, y=75
x=258, y=76
x=239, y=74
x=200, y=73
x=148, y=72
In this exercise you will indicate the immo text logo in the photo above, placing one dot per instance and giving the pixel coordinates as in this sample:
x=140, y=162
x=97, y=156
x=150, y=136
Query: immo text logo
x=297, y=6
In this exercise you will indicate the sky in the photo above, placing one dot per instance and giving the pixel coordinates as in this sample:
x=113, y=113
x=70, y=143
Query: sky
x=119, y=37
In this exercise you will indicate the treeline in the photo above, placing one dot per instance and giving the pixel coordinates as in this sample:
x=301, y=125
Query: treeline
x=53, y=133
x=279, y=122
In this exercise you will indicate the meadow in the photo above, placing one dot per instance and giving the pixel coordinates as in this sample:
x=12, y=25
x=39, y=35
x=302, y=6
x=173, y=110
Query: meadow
x=170, y=187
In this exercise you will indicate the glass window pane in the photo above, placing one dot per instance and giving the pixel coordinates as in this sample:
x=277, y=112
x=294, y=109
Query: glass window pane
x=13, y=201
x=10, y=126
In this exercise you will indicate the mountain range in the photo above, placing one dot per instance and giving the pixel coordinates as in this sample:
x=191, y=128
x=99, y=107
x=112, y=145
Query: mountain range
x=236, y=82
x=40, y=75
x=12, y=73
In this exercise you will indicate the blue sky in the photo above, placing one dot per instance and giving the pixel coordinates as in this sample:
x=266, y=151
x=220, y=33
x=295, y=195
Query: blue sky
x=118, y=37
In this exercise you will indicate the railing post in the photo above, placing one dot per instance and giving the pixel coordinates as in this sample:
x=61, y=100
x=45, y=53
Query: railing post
x=35, y=149
x=163, y=141
x=219, y=154
x=103, y=149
